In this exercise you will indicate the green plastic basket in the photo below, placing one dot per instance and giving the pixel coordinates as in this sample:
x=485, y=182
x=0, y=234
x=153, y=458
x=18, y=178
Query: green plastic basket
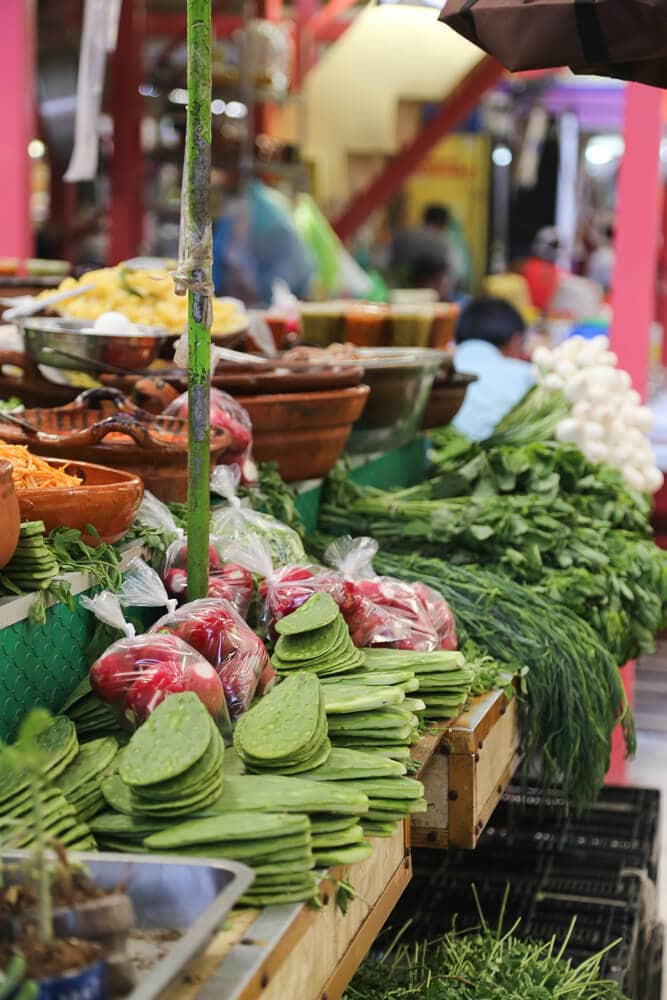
x=41, y=664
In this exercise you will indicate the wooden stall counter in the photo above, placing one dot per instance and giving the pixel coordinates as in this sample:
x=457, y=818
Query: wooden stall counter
x=297, y=952
x=466, y=766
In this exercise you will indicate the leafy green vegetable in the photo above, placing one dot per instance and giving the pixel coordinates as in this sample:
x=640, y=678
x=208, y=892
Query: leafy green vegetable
x=75, y=556
x=484, y=963
x=575, y=693
x=272, y=495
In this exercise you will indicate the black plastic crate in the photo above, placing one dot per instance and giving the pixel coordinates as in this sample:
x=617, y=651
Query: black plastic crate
x=623, y=819
x=432, y=901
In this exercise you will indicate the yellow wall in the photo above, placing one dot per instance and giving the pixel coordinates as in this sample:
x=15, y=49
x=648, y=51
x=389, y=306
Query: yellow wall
x=456, y=173
x=389, y=53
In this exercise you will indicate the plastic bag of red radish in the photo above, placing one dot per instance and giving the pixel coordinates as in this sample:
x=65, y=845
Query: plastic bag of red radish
x=136, y=673
x=285, y=588
x=235, y=522
x=219, y=634
x=440, y=614
x=390, y=612
x=227, y=413
x=226, y=580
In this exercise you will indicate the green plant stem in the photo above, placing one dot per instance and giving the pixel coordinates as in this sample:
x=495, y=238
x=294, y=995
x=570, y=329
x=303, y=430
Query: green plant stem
x=44, y=910
x=198, y=165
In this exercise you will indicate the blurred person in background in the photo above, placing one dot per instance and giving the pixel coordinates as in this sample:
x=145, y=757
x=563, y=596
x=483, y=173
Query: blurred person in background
x=256, y=243
x=438, y=236
x=540, y=269
x=601, y=261
x=489, y=338
x=430, y=272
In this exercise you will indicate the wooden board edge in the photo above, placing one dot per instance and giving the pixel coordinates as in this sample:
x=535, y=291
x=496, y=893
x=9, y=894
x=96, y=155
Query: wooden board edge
x=470, y=729
x=284, y=947
x=429, y=745
x=426, y=836
x=467, y=839
x=368, y=931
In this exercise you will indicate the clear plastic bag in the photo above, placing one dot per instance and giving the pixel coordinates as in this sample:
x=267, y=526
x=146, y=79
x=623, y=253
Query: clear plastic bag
x=227, y=413
x=137, y=673
x=440, y=614
x=227, y=580
x=389, y=612
x=286, y=588
x=213, y=628
x=236, y=522
x=143, y=588
x=158, y=529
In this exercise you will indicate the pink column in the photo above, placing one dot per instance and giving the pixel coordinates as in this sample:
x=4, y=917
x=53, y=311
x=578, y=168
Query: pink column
x=127, y=165
x=17, y=86
x=637, y=228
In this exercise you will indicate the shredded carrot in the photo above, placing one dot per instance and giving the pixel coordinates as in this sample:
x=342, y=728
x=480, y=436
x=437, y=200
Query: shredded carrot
x=30, y=472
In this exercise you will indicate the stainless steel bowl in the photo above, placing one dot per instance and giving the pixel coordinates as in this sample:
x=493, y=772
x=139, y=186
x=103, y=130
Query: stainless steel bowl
x=400, y=381
x=72, y=345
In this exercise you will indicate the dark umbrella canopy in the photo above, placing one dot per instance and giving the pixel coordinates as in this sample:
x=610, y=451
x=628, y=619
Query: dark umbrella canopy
x=625, y=39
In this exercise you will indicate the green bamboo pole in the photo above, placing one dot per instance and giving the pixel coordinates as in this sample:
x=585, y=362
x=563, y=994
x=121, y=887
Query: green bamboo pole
x=199, y=285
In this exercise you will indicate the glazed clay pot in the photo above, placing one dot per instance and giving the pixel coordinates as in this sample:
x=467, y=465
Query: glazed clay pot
x=10, y=518
x=446, y=400
x=106, y=498
x=304, y=432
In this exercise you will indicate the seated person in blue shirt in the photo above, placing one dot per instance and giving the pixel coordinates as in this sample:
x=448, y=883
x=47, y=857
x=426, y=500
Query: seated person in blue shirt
x=489, y=338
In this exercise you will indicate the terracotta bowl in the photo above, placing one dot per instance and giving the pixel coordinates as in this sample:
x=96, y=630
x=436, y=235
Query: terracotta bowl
x=446, y=400
x=106, y=498
x=103, y=427
x=9, y=514
x=304, y=432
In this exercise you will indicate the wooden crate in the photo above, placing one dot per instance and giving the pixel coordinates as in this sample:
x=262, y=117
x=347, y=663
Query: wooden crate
x=466, y=767
x=296, y=952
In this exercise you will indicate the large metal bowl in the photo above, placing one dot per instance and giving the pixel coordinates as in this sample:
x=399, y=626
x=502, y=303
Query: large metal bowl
x=57, y=343
x=400, y=381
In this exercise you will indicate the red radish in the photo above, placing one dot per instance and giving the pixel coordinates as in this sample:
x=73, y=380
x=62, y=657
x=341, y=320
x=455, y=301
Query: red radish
x=151, y=688
x=176, y=582
x=233, y=583
x=201, y=678
x=217, y=632
x=140, y=672
x=266, y=681
x=227, y=414
x=110, y=677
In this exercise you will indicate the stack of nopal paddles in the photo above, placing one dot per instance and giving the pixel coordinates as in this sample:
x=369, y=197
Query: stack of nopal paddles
x=92, y=717
x=316, y=639
x=33, y=565
x=373, y=698
x=391, y=796
x=60, y=819
x=286, y=732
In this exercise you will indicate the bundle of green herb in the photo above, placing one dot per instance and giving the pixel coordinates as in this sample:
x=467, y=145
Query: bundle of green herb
x=484, y=963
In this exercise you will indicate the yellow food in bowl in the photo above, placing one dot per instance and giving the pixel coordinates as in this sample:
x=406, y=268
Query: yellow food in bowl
x=145, y=297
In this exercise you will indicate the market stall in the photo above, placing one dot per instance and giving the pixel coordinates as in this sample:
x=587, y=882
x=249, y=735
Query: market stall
x=241, y=702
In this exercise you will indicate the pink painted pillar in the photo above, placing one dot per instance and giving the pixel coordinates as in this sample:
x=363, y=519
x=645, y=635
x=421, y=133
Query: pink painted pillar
x=618, y=763
x=17, y=85
x=637, y=228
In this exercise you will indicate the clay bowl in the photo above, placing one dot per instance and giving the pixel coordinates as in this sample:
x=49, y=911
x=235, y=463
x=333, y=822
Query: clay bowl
x=304, y=432
x=9, y=514
x=103, y=427
x=107, y=498
x=446, y=400
x=150, y=392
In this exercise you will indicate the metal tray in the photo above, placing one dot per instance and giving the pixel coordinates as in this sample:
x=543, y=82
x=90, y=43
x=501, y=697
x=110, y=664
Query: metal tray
x=169, y=895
